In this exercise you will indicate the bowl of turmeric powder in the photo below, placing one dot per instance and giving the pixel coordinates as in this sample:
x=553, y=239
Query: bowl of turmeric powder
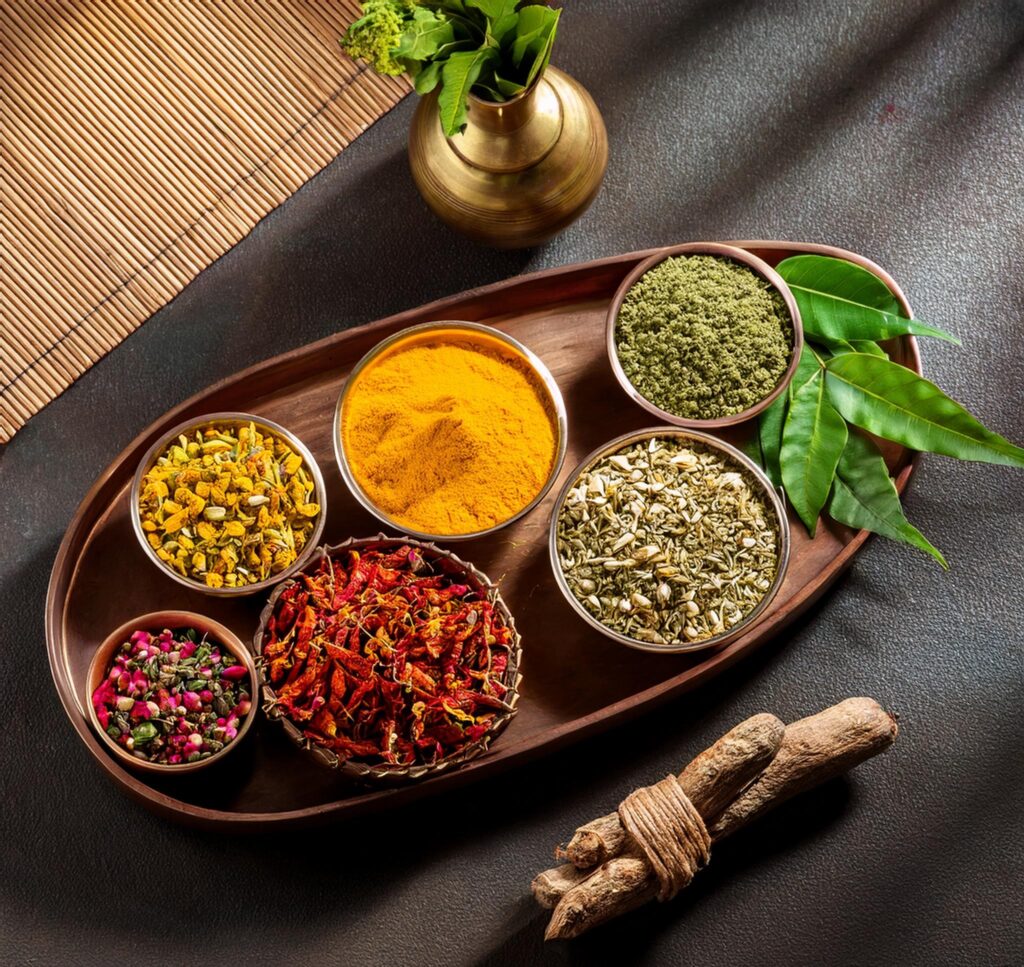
x=450, y=430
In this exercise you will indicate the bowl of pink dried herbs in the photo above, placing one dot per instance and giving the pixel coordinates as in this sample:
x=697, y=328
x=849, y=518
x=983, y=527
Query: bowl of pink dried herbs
x=389, y=659
x=171, y=692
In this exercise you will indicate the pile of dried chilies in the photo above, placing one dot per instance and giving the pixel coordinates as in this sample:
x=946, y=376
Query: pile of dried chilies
x=388, y=656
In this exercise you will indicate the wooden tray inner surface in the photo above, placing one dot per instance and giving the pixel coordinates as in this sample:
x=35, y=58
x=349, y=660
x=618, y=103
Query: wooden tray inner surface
x=575, y=681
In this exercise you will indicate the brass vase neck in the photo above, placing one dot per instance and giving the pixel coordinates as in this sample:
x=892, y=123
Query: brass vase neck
x=512, y=135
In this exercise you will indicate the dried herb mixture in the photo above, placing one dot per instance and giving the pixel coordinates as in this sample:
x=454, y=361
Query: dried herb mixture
x=703, y=337
x=173, y=698
x=388, y=656
x=231, y=506
x=667, y=542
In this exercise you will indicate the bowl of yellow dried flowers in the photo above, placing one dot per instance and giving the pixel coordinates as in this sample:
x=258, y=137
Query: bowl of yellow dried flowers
x=228, y=504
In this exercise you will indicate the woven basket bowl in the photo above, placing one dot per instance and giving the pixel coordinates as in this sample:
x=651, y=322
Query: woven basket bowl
x=385, y=773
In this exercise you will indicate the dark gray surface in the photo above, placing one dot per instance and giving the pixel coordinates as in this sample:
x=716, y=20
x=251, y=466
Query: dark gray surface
x=890, y=128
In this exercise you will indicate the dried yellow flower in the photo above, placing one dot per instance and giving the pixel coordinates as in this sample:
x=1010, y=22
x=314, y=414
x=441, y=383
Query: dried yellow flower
x=175, y=522
x=231, y=506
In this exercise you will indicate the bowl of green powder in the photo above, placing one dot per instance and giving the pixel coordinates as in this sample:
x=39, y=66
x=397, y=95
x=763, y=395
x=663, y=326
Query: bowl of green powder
x=704, y=335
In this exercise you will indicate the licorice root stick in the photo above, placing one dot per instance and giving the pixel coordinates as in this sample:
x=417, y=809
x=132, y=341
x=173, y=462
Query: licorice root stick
x=712, y=781
x=812, y=751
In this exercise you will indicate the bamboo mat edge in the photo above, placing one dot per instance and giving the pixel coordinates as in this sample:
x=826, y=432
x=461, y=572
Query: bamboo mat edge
x=55, y=364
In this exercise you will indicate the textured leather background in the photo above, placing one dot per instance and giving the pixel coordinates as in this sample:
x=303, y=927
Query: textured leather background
x=891, y=128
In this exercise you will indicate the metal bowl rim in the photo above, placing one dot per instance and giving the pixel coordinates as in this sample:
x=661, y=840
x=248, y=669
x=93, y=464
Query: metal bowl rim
x=385, y=773
x=148, y=621
x=636, y=436
x=230, y=416
x=751, y=261
x=535, y=362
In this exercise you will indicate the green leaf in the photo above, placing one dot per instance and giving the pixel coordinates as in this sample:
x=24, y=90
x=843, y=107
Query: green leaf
x=534, y=24
x=892, y=401
x=501, y=18
x=508, y=88
x=808, y=367
x=751, y=446
x=813, y=437
x=535, y=35
x=458, y=76
x=426, y=79
x=864, y=496
x=840, y=300
x=424, y=36
x=769, y=431
x=866, y=346
x=543, y=49
x=492, y=94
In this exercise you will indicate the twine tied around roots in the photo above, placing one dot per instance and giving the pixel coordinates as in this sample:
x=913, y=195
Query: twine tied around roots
x=670, y=831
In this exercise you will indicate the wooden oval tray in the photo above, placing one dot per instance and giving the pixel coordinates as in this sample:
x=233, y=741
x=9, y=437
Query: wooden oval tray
x=575, y=681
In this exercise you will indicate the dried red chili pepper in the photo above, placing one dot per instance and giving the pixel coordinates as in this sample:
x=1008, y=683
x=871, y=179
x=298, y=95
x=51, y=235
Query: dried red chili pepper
x=386, y=656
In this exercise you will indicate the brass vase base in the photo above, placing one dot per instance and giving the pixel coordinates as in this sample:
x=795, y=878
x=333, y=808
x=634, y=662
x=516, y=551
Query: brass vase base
x=522, y=171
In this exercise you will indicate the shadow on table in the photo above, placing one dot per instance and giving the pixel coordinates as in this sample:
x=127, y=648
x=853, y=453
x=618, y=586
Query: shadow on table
x=787, y=828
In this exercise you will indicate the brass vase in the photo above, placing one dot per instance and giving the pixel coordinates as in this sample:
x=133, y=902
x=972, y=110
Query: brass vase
x=521, y=171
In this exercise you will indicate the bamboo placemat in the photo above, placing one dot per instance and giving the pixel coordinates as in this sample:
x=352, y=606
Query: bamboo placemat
x=141, y=140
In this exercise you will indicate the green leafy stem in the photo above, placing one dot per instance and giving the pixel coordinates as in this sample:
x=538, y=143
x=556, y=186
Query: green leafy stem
x=810, y=440
x=494, y=49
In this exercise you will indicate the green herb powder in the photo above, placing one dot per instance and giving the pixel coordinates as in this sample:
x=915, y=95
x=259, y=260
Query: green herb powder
x=703, y=337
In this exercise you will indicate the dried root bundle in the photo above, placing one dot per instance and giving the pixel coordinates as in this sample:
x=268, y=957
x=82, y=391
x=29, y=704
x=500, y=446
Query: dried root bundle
x=660, y=836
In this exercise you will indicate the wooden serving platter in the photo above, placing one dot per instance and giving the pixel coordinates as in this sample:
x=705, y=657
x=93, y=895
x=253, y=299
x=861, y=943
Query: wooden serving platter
x=575, y=681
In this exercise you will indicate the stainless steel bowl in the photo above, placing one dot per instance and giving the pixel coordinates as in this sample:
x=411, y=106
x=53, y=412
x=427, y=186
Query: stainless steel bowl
x=742, y=256
x=188, y=428
x=535, y=363
x=713, y=443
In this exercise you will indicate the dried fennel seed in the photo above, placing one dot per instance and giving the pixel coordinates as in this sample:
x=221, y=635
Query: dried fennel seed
x=667, y=542
x=230, y=507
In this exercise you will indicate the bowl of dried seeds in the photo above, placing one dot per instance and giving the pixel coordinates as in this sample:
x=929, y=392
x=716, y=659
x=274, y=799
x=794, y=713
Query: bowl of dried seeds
x=228, y=504
x=704, y=335
x=669, y=540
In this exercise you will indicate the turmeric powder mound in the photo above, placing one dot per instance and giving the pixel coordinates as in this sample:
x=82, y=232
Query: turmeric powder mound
x=449, y=433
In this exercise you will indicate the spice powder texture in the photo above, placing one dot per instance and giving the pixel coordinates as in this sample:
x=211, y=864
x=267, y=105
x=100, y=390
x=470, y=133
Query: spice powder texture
x=703, y=337
x=449, y=436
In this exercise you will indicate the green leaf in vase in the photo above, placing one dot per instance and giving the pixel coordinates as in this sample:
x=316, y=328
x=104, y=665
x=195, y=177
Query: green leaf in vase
x=493, y=94
x=459, y=74
x=535, y=23
x=813, y=437
x=501, y=17
x=509, y=88
x=425, y=80
x=769, y=429
x=893, y=402
x=864, y=496
x=535, y=35
x=842, y=301
x=543, y=49
x=425, y=35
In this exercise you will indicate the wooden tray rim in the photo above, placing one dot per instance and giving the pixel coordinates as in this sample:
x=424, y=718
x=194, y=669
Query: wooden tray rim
x=510, y=755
